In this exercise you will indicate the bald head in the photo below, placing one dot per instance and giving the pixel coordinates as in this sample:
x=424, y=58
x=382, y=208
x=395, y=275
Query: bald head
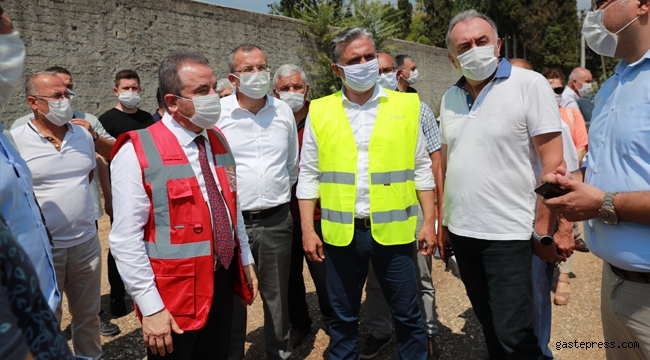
x=44, y=84
x=520, y=63
x=578, y=77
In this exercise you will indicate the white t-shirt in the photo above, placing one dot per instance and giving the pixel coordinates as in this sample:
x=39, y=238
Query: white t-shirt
x=61, y=181
x=490, y=180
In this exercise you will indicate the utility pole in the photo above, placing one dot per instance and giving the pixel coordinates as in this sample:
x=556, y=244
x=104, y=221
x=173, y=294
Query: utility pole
x=583, y=60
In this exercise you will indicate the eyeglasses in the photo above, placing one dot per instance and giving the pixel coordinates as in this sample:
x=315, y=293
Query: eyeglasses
x=387, y=70
x=559, y=90
x=251, y=69
x=56, y=96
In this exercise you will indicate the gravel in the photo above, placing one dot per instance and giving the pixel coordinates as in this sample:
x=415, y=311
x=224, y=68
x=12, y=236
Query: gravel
x=460, y=333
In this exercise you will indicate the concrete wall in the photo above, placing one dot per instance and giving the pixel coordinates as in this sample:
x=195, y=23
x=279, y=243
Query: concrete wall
x=95, y=38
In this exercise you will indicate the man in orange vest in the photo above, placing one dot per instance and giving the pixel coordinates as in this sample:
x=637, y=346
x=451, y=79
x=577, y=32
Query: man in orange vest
x=178, y=237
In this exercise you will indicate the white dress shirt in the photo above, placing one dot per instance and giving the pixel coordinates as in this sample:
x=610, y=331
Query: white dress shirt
x=362, y=120
x=265, y=146
x=131, y=208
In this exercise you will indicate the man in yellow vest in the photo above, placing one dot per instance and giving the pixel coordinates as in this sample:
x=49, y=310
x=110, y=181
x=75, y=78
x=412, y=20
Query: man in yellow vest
x=365, y=156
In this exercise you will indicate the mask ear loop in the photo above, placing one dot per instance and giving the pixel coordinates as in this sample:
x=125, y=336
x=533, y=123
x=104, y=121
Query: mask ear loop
x=626, y=26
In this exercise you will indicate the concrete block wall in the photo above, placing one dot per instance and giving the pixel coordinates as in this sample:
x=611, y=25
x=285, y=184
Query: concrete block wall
x=96, y=38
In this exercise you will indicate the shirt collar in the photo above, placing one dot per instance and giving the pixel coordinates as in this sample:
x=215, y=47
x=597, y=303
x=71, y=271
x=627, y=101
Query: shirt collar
x=376, y=94
x=269, y=102
x=184, y=136
x=622, y=65
x=570, y=93
x=504, y=70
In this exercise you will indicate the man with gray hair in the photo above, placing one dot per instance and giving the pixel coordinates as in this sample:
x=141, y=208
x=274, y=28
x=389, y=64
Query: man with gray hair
x=178, y=237
x=224, y=87
x=290, y=85
x=264, y=140
x=369, y=166
x=497, y=119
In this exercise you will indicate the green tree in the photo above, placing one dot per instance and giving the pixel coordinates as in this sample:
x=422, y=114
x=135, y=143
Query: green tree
x=406, y=9
x=438, y=14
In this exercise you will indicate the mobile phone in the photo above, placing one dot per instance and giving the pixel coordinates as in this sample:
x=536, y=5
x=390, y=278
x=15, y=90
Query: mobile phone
x=548, y=190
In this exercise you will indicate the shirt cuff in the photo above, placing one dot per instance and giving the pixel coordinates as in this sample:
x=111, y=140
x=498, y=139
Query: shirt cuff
x=307, y=191
x=247, y=257
x=149, y=303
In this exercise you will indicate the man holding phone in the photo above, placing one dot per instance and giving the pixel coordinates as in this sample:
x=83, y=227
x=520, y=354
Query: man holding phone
x=615, y=198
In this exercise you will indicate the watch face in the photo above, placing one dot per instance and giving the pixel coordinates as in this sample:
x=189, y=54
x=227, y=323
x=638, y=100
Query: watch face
x=546, y=240
x=608, y=216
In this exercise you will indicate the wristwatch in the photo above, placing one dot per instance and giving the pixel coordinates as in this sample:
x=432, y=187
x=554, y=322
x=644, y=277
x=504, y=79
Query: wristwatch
x=96, y=136
x=545, y=240
x=607, y=213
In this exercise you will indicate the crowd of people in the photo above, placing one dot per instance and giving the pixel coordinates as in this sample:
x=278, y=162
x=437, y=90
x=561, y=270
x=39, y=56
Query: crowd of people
x=223, y=191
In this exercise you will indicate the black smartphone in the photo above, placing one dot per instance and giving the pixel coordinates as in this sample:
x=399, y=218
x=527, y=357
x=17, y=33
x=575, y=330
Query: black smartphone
x=548, y=190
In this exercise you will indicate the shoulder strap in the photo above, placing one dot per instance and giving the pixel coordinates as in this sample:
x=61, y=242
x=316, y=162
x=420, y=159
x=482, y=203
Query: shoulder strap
x=569, y=112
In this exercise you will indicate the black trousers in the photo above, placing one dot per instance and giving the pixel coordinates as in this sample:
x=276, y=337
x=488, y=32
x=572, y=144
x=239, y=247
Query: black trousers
x=114, y=279
x=497, y=277
x=212, y=341
x=298, y=309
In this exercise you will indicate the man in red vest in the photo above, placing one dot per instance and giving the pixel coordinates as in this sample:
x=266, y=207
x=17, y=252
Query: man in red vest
x=178, y=237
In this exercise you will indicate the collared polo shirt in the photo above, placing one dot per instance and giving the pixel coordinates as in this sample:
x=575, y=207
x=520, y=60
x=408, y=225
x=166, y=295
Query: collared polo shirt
x=61, y=181
x=619, y=160
x=490, y=180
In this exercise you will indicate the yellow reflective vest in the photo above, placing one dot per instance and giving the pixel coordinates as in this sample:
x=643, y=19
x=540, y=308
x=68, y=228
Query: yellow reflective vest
x=391, y=165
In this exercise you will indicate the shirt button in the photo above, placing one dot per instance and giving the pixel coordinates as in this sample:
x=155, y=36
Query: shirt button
x=596, y=171
x=613, y=107
x=625, y=78
x=603, y=140
x=631, y=107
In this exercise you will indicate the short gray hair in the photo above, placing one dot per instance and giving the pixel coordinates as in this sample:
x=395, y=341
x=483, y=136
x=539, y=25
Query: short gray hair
x=30, y=86
x=243, y=47
x=344, y=38
x=288, y=70
x=169, y=82
x=467, y=16
x=223, y=84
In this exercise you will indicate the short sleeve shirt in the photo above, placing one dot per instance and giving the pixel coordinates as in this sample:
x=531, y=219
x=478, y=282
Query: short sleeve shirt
x=490, y=180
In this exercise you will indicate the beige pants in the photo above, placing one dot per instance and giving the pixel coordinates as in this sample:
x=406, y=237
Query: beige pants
x=78, y=275
x=625, y=310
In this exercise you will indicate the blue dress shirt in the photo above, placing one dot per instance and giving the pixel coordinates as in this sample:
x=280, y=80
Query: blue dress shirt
x=23, y=217
x=619, y=161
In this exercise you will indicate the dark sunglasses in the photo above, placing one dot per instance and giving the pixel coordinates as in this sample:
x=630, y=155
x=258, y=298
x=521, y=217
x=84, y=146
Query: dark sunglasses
x=559, y=90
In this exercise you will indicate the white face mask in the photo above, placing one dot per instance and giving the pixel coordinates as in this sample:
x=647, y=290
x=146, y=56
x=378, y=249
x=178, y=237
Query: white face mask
x=60, y=112
x=361, y=77
x=295, y=100
x=254, y=85
x=415, y=75
x=600, y=40
x=585, y=90
x=207, y=110
x=129, y=99
x=388, y=81
x=478, y=63
x=558, y=98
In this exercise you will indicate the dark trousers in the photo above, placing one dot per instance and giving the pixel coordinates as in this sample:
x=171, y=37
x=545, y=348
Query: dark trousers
x=298, y=309
x=347, y=268
x=212, y=341
x=114, y=279
x=497, y=277
x=542, y=277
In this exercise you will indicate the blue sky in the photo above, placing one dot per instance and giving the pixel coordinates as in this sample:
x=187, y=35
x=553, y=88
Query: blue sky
x=261, y=5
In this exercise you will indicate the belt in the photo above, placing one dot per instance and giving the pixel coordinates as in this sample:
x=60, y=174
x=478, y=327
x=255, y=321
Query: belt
x=362, y=223
x=641, y=277
x=262, y=214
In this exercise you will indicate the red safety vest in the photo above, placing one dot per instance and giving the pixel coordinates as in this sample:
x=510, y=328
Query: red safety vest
x=178, y=233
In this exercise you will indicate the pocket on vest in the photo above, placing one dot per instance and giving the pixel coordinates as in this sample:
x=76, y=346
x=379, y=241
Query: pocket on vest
x=176, y=284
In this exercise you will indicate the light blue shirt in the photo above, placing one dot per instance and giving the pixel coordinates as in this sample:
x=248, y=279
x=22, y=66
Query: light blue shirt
x=23, y=217
x=619, y=160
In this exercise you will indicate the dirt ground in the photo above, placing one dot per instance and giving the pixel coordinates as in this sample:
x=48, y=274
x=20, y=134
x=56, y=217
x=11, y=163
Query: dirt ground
x=460, y=333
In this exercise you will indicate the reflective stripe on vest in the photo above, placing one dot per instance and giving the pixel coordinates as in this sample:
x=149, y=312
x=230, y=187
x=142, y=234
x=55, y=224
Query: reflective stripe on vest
x=157, y=174
x=391, y=164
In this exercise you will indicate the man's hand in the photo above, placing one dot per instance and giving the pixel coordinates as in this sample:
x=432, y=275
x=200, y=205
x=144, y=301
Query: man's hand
x=6, y=26
x=313, y=246
x=564, y=239
x=253, y=284
x=157, y=330
x=546, y=253
x=427, y=240
x=582, y=203
x=84, y=124
x=443, y=242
